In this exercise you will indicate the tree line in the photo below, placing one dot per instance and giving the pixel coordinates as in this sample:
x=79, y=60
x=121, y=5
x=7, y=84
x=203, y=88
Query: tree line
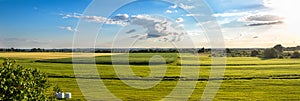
x=278, y=51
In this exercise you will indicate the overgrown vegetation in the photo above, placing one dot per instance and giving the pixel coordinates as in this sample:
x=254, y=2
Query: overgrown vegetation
x=20, y=83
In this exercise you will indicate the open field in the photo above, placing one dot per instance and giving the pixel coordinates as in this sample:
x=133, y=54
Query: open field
x=246, y=78
x=42, y=55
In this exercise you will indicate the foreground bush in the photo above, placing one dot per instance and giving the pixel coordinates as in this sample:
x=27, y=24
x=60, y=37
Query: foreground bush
x=19, y=83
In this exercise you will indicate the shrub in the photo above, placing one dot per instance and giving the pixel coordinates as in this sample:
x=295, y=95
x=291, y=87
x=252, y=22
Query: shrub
x=279, y=48
x=19, y=83
x=295, y=55
x=270, y=53
x=254, y=53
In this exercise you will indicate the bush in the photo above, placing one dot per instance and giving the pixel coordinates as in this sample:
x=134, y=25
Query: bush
x=270, y=53
x=254, y=53
x=279, y=48
x=295, y=55
x=19, y=83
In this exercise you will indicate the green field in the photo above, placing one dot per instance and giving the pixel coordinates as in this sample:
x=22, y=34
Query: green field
x=245, y=78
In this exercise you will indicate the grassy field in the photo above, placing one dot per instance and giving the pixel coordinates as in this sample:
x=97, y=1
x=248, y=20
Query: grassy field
x=246, y=78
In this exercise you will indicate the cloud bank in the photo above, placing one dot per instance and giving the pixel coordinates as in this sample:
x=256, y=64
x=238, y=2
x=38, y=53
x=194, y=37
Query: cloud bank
x=161, y=30
x=68, y=28
x=157, y=28
x=120, y=19
x=262, y=19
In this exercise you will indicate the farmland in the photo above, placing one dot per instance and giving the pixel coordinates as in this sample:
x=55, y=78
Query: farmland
x=245, y=78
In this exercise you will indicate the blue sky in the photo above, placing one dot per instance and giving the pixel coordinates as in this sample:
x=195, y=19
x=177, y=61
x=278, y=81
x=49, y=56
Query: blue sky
x=147, y=23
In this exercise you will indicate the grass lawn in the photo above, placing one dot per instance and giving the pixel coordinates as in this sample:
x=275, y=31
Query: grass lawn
x=246, y=78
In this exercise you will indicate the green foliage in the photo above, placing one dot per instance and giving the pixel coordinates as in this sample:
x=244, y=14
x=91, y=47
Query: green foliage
x=270, y=53
x=254, y=53
x=279, y=48
x=202, y=50
x=57, y=89
x=295, y=55
x=19, y=83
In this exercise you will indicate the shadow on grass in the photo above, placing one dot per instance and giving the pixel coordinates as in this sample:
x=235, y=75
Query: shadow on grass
x=177, y=78
x=132, y=59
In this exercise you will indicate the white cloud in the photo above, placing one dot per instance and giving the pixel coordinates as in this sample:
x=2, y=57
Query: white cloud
x=174, y=6
x=181, y=5
x=169, y=11
x=157, y=29
x=68, y=28
x=179, y=20
x=119, y=19
x=186, y=6
x=180, y=26
x=195, y=32
x=262, y=19
x=232, y=14
x=289, y=10
x=74, y=15
x=194, y=15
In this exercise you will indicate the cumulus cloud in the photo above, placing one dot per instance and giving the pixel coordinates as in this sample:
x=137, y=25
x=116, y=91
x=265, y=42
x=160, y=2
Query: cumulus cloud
x=131, y=31
x=163, y=30
x=68, y=28
x=171, y=11
x=179, y=20
x=194, y=15
x=183, y=6
x=232, y=14
x=265, y=23
x=174, y=6
x=186, y=6
x=157, y=28
x=262, y=19
x=119, y=19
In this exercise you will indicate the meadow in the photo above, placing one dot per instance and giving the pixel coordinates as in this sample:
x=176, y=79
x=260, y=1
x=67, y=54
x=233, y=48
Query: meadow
x=245, y=78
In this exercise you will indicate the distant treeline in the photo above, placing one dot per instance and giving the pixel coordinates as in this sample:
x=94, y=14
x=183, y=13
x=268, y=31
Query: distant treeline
x=231, y=52
x=278, y=51
x=34, y=50
x=115, y=50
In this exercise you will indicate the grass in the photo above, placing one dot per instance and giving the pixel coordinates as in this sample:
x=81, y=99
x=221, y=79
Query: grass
x=137, y=58
x=246, y=78
x=42, y=55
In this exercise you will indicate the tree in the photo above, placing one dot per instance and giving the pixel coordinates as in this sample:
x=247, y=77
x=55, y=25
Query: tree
x=270, y=53
x=19, y=83
x=228, y=50
x=254, y=53
x=12, y=49
x=296, y=54
x=279, y=48
x=202, y=50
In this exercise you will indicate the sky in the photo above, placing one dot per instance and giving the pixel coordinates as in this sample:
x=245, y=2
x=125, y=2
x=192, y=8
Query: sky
x=147, y=23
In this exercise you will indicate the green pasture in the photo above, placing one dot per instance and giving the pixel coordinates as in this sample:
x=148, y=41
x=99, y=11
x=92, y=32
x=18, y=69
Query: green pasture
x=245, y=78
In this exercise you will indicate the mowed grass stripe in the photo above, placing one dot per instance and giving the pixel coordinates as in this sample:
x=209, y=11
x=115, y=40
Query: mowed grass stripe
x=122, y=59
